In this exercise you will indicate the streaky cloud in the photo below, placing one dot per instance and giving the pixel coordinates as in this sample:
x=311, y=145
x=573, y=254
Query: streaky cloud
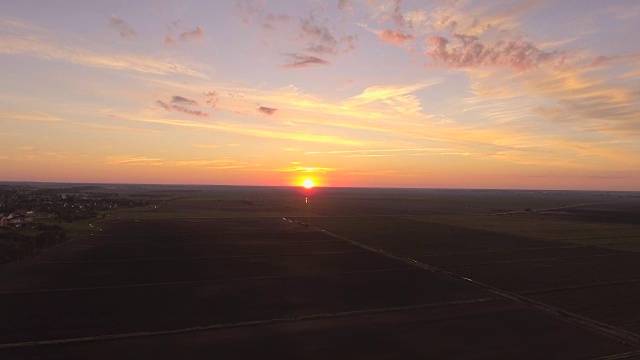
x=300, y=61
x=176, y=99
x=267, y=110
x=42, y=44
x=185, y=110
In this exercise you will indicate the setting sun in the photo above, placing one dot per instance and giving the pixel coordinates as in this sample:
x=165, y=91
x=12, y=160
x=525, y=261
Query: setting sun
x=308, y=183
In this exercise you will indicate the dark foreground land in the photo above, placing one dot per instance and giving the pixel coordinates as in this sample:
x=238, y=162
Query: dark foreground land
x=257, y=273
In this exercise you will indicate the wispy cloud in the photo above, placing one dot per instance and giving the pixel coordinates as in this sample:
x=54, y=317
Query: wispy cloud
x=322, y=40
x=254, y=13
x=29, y=116
x=267, y=110
x=169, y=40
x=211, y=164
x=123, y=28
x=187, y=111
x=195, y=34
x=37, y=42
x=315, y=36
x=212, y=99
x=304, y=169
x=208, y=146
x=296, y=61
x=395, y=37
x=391, y=95
x=176, y=99
x=343, y=5
x=386, y=152
x=117, y=128
x=248, y=130
x=469, y=51
x=133, y=160
x=164, y=105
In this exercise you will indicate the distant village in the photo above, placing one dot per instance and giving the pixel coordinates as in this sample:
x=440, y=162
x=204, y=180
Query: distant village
x=22, y=205
x=36, y=217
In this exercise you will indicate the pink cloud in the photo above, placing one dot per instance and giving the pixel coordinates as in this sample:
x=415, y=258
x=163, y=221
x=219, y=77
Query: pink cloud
x=396, y=15
x=257, y=14
x=168, y=40
x=607, y=60
x=183, y=109
x=164, y=105
x=194, y=34
x=300, y=61
x=343, y=5
x=183, y=100
x=394, y=37
x=180, y=108
x=321, y=40
x=212, y=98
x=267, y=110
x=470, y=52
x=123, y=28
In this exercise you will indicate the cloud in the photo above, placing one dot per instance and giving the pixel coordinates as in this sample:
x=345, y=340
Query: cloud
x=172, y=39
x=29, y=116
x=168, y=40
x=132, y=160
x=164, y=105
x=267, y=110
x=183, y=109
x=41, y=43
x=386, y=93
x=216, y=164
x=195, y=34
x=470, y=52
x=117, y=128
x=212, y=99
x=252, y=130
x=180, y=108
x=304, y=169
x=301, y=60
x=321, y=40
x=183, y=100
x=257, y=14
x=379, y=152
x=313, y=33
x=343, y=5
x=394, y=37
x=25, y=149
x=592, y=100
x=396, y=16
x=601, y=60
x=123, y=28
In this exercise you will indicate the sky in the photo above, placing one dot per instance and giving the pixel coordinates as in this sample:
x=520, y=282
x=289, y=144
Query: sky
x=529, y=94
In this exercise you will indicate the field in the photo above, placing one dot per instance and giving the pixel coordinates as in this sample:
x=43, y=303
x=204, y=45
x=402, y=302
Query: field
x=256, y=272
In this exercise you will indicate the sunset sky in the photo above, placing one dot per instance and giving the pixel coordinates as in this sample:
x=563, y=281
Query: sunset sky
x=435, y=94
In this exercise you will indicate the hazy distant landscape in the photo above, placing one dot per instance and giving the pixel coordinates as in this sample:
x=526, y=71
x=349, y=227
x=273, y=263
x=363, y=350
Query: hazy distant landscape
x=202, y=271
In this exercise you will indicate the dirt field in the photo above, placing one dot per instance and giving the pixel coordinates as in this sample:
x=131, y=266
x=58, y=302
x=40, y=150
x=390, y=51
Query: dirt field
x=241, y=286
x=594, y=282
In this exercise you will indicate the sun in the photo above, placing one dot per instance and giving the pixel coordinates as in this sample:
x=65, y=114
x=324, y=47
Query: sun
x=308, y=184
